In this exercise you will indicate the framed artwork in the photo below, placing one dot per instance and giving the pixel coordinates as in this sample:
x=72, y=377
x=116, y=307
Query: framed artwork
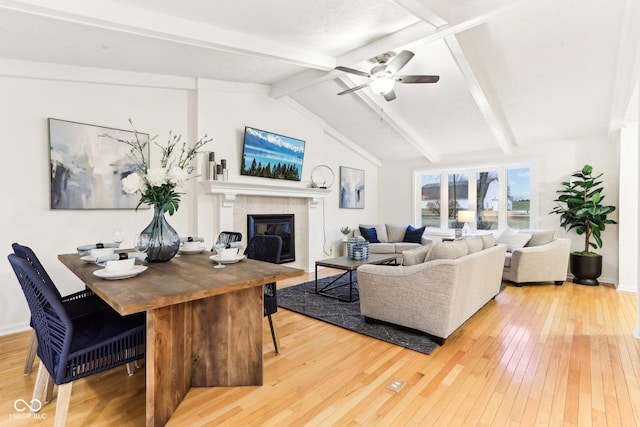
x=351, y=188
x=87, y=169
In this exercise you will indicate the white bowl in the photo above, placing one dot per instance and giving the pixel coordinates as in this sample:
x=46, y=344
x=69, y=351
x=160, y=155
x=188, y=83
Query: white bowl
x=230, y=253
x=120, y=265
x=96, y=253
x=191, y=246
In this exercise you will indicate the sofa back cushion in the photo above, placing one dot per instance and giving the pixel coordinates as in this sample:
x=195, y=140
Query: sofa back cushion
x=488, y=240
x=415, y=256
x=474, y=244
x=513, y=239
x=539, y=237
x=413, y=235
x=395, y=232
x=448, y=250
x=381, y=232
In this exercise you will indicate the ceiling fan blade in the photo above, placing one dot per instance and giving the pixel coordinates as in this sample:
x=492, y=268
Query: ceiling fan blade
x=399, y=61
x=352, y=71
x=390, y=96
x=353, y=89
x=417, y=79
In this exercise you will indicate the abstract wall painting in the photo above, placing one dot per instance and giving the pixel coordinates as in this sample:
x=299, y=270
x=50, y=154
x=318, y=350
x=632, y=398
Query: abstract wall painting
x=86, y=169
x=351, y=188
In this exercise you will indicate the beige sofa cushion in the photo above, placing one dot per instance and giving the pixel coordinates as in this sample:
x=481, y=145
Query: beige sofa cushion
x=539, y=237
x=415, y=256
x=381, y=231
x=488, y=240
x=395, y=232
x=449, y=250
x=404, y=246
x=513, y=239
x=382, y=248
x=474, y=244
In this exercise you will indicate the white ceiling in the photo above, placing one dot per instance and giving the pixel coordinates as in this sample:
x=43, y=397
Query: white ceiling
x=512, y=72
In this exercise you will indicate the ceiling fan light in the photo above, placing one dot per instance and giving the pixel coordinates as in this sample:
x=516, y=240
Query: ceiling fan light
x=382, y=85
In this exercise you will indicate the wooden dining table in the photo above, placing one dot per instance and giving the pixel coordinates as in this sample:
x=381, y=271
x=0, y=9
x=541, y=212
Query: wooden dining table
x=204, y=325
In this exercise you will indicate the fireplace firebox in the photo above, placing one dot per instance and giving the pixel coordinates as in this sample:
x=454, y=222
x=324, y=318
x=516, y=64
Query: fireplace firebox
x=282, y=225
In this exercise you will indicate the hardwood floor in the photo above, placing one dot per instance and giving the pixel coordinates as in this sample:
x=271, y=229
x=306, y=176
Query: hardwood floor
x=536, y=355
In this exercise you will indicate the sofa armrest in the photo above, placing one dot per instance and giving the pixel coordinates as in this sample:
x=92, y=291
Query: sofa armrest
x=546, y=262
x=412, y=296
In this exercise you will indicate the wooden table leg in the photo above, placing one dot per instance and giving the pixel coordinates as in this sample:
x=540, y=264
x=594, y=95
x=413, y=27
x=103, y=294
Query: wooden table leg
x=215, y=341
x=227, y=343
x=169, y=342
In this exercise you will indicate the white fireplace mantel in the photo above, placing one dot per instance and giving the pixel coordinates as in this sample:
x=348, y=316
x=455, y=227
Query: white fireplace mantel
x=229, y=190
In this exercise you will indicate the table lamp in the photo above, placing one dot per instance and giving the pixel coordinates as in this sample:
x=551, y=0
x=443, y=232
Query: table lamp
x=466, y=217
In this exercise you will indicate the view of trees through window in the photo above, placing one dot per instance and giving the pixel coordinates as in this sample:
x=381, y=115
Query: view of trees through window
x=458, y=197
x=487, y=205
x=499, y=197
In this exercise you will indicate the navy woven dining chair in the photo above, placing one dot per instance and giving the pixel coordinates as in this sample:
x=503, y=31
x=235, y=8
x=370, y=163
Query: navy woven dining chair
x=268, y=248
x=229, y=237
x=73, y=348
x=77, y=304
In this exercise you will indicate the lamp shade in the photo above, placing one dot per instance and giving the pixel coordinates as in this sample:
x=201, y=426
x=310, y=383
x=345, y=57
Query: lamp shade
x=466, y=216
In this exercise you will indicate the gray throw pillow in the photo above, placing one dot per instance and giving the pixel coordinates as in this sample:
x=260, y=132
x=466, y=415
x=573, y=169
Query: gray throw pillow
x=539, y=237
x=513, y=240
x=450, y=250
x=488, y=240
x=415, y=256
x=474, y=244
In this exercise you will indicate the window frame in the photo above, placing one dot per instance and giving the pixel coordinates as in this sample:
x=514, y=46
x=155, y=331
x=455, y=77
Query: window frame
x=471, y=173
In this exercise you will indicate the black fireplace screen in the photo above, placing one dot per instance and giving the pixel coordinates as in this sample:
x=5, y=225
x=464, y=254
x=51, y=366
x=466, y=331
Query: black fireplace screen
x=282, y=225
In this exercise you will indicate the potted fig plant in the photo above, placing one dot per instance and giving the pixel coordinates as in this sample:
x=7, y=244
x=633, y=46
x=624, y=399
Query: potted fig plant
x=581, y=209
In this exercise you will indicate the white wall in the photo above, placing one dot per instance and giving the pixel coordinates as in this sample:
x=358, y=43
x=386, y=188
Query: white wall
x=26, y=217
x=552, y=162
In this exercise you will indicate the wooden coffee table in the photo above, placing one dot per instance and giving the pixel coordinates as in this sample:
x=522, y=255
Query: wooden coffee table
x=349, y=265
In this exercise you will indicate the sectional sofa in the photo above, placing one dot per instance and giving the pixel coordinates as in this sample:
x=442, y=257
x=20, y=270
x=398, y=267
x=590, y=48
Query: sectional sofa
x=437, y=289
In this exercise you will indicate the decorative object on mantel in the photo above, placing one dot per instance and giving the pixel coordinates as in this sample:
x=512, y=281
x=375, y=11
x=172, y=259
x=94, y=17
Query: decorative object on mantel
x=322, y=177
x=157, y=187
x=351, y=188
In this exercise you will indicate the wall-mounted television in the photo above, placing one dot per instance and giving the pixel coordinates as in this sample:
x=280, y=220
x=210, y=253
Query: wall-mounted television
x=269, y=155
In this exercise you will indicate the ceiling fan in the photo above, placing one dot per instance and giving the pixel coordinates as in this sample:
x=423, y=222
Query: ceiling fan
x=384, y=74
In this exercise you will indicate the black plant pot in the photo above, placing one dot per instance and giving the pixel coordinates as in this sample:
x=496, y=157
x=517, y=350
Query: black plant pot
x=585, y=269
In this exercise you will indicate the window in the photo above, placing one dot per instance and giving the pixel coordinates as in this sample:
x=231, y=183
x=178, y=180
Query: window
x=500, y=197
x=430, y=200
x=487, y=200
x=458, y=197
x=518, y=197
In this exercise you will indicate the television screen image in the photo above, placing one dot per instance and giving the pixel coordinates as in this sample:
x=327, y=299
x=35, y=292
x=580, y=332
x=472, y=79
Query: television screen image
x=269, y=155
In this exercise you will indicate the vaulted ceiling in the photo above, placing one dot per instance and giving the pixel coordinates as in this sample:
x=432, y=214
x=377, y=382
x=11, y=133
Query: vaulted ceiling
x=512, y=72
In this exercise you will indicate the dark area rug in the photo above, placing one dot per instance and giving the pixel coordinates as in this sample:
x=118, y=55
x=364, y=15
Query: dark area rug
x=303, y=299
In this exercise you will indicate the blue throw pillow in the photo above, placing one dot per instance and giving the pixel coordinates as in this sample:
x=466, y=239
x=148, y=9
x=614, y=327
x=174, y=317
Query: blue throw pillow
x=369, y=234
x=413, y=235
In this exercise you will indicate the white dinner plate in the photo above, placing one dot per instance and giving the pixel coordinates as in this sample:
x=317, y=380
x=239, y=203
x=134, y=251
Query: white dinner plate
x=192, y=251
x=88, y=258
x=116, y=275
x=228, y=260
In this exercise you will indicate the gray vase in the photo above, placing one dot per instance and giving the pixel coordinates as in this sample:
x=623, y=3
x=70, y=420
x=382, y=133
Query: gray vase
x=164, y=241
